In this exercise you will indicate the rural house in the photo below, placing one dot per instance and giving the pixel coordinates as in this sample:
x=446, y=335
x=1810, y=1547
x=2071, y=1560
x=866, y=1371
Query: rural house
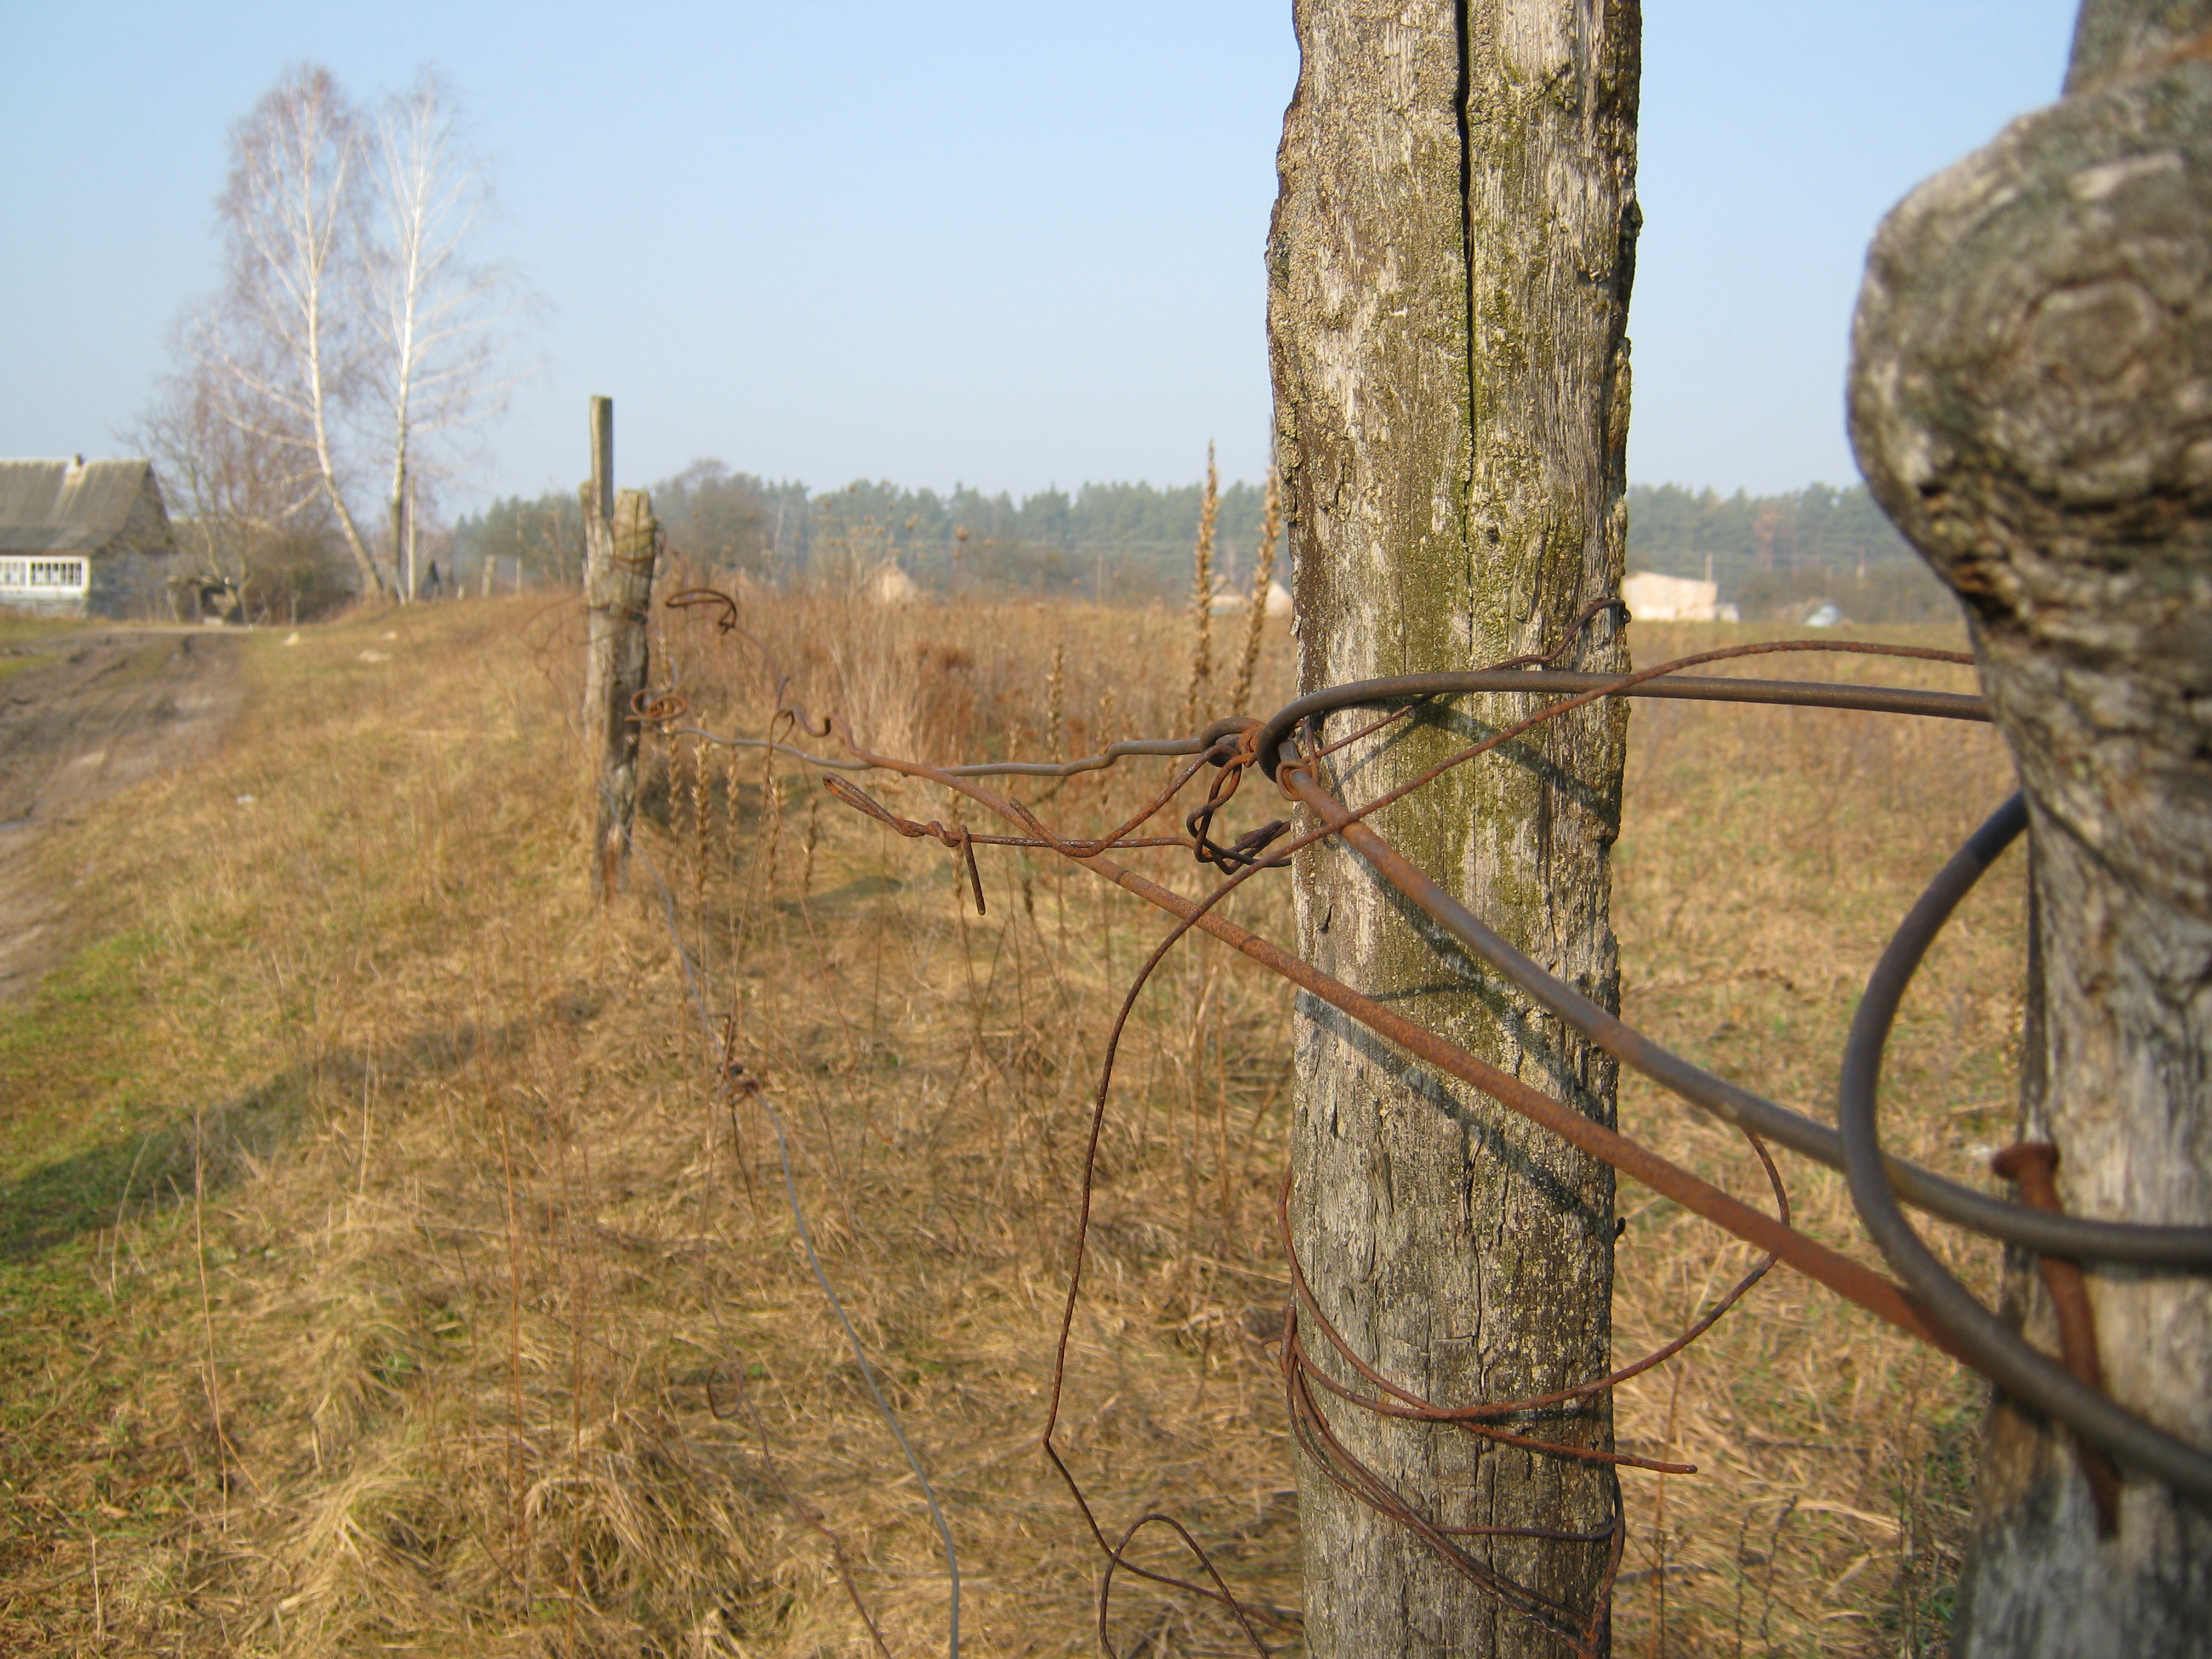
x=84, y=539
x=1652, y=597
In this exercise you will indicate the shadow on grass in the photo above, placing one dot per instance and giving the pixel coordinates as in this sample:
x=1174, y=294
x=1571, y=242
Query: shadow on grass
x=842, y=901
x=108, y=1182
x=116, y=1180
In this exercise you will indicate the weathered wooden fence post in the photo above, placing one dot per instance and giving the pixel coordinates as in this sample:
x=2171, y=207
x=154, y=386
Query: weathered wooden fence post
x=2032, y=399
x=1449, y=270
x=620, y=545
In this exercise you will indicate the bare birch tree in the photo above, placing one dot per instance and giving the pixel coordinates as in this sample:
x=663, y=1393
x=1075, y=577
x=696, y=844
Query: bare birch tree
x=283, y=341
x=439, y=321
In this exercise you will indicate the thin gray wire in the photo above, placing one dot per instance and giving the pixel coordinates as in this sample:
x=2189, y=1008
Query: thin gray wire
x=1135, y=746
x=704, y=736
x=814, y=1260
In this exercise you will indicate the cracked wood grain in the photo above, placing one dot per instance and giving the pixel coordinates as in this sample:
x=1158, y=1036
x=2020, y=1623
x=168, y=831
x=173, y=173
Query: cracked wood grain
x=1449, y=266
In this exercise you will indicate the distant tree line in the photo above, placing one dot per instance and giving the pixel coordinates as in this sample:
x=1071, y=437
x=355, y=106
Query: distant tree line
x=1774, y=556
x=1115, y=542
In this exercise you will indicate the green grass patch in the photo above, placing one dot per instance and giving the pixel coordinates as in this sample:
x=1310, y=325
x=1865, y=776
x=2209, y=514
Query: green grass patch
x=18, y=628
x=71, y=1054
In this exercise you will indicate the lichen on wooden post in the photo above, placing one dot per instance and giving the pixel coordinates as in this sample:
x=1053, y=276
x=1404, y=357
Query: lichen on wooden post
x=2031, y=398
x=620, y=544
x=1449, y=268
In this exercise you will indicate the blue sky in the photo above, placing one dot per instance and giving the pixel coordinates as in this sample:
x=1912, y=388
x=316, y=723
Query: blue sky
x=1008, y=244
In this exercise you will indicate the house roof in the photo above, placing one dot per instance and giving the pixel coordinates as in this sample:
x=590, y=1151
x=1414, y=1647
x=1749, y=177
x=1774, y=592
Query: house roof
x=77, y=505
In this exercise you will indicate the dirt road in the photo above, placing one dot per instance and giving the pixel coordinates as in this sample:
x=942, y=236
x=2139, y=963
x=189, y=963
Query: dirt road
x=82, y=715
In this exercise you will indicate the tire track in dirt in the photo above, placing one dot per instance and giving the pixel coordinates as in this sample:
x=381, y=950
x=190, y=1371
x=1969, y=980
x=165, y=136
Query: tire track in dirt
x=81, y=716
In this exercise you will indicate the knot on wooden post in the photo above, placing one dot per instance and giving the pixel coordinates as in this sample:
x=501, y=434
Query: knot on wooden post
x=2031, y=398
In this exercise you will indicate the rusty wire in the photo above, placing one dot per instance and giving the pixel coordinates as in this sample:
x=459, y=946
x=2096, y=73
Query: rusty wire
x=1287, y=747
x=1322, y=1443
x=2014, y=1224
x=2069, y=1392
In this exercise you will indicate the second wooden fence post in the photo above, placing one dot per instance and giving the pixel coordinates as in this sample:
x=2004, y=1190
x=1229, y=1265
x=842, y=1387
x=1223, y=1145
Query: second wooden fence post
x=621, y=540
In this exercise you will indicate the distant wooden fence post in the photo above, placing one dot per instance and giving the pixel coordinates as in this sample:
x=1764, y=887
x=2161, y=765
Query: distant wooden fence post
x=620, y=540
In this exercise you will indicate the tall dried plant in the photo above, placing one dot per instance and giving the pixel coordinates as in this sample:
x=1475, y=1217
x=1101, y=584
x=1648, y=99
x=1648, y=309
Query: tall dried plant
x=1202, y=596
x=813, y=840
x=1263, y=577
x=1055, y=704
x=703, y=835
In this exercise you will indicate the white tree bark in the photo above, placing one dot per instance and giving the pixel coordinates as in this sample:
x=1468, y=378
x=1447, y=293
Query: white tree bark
x=285, y=337
x=440, y=319
x=2032, y=399
x=1449, y=265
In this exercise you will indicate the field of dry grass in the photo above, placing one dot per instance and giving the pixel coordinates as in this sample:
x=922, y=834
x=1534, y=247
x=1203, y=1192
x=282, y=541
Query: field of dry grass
x=386, y=1267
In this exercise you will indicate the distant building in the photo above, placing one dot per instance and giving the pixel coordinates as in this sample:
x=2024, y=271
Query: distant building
x=84, y=539
x=891, y=586
x=1654, y=598
x=1226, y=597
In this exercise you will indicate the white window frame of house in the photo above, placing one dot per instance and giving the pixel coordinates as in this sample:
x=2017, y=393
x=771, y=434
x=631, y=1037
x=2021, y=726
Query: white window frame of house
x=20, y=576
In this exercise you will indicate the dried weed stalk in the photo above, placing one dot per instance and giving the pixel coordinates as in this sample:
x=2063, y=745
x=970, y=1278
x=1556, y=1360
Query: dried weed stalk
x=1202, y=598
x=1255, y=603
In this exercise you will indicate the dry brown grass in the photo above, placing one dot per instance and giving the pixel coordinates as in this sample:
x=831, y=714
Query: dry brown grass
x=408, y=1168
x=1767, y=854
